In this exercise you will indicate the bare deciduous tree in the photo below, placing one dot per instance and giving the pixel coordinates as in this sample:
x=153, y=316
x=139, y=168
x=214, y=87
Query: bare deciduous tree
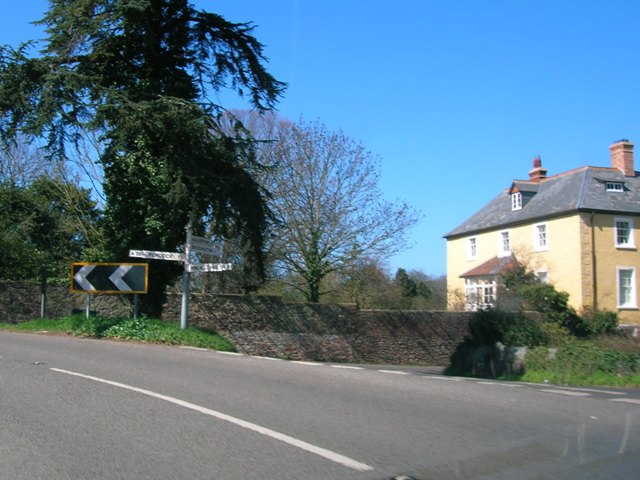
x=21, y=162
x=329, y=212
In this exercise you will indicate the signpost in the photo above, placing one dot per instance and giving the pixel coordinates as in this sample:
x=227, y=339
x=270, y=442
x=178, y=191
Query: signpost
x=155, y=255
x=210, y=267
x=193, y=244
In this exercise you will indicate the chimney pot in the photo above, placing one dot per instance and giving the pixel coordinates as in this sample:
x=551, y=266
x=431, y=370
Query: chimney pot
x=622, y=157
x=537, y=174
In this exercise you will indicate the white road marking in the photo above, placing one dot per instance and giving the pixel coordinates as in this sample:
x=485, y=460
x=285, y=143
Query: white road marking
x=568, y=392
x=510, y=385
x=438, y=377
x=200, y=349
x=301, y=362
x=395, y=372
x=347, y=367
x=265, y=358
x=608, y=392
x=626, y=400
x=322, y=452
x=231, y=353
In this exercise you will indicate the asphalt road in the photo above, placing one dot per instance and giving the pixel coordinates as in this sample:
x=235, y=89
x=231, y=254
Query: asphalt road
x=84, y=409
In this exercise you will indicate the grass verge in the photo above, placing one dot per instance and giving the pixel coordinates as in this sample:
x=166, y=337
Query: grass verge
x=604, y=361
x=142, y=329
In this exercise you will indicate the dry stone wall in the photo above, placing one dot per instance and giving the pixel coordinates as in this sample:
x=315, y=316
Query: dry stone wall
x=260, y=325
x=264, y=325
x=20, y=301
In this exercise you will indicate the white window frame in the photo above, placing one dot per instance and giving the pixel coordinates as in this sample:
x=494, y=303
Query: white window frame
x=480, y=295
x=502, y=251
x=538, y=245
x=472, y=248
x=516, y=201
x=542, y=276
x=632, y=301
x=615, y=187
x=631, y=241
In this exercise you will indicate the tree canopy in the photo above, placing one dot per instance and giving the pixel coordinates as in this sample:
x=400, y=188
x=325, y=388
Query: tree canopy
x=329, y=213
x=143, y=73
x=43, y=226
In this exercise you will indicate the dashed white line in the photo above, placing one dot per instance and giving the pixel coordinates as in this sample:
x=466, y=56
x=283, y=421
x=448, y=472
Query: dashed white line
x=322, y=452
x=437, y=377
x=200, y=349
x=347, y=367
x=501, y=384
x=266, y=358
x=608, y=392
x=625, y=400
x=236, y=354
x=569, y=393
x=301, y=362
x=394, y=372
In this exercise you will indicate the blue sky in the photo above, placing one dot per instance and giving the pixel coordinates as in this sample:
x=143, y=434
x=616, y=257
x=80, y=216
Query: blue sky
x=456, y=97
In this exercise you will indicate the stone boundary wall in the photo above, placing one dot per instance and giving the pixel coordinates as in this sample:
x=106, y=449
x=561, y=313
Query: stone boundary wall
x=264, y=325
x=20, y=301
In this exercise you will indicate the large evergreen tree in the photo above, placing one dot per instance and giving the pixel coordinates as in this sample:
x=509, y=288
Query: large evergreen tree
x=143, y=72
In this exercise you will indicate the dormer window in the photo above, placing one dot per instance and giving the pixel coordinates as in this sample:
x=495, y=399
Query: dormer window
x=615, y=187
x=516, y=201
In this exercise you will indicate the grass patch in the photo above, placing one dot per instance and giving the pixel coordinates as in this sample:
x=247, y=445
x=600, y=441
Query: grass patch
x=599, y=379
x=597, y=362
x=40, y=325
x=141, y=329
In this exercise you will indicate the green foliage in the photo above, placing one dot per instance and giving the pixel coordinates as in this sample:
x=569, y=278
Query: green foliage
x=554, y=306
x=92, y=326
x=518, y=275
x=140, y=72
x=41, y=325
x=601, y=322
x=583, y=362
x=411, y=287
x=487, y=327
x=141, y=329
x=43, y=227
x=543, y=298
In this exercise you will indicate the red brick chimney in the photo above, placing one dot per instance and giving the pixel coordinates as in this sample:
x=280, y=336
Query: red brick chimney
x=537, y=174
x=622, y=157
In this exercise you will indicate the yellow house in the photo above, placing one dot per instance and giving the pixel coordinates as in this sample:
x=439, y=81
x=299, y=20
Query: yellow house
x=577, y=230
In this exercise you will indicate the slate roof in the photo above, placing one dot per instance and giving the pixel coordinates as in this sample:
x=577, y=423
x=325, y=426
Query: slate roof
x=583, y=189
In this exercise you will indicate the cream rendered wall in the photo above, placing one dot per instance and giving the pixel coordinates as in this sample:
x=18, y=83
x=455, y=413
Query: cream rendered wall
x=608, y=257
x=562, y=259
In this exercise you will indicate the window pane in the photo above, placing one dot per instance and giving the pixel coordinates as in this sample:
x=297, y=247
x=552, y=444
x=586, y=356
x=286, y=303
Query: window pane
x=541, y=235
x=623, y=231
x=505, y=242
x=626, y=287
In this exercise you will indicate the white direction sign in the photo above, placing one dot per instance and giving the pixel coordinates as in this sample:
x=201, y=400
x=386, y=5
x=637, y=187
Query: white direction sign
x=156, y=255
x=203, y=245
x=209, y=267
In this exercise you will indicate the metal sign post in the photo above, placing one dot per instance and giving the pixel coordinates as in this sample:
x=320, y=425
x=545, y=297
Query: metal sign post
x=184, y=308
x=192, y=244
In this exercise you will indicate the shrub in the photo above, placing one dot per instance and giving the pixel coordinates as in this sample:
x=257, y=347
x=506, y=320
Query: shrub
x=601, y=322
x=487, y=327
